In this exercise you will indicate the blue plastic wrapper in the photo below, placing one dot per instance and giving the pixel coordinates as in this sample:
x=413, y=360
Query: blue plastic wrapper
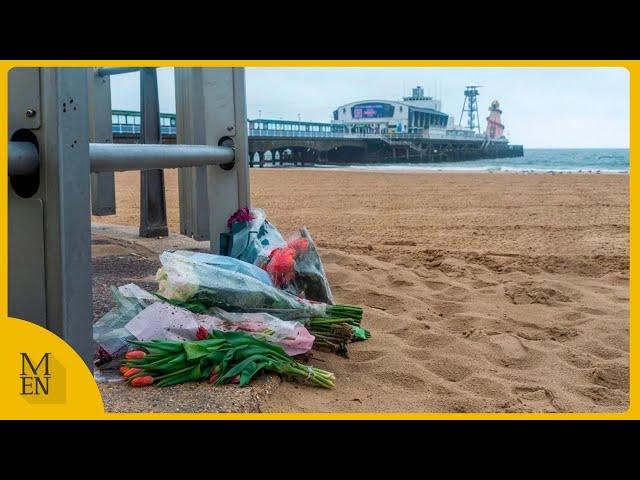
x=254, y=240
x=228, y=263
x=249, y=240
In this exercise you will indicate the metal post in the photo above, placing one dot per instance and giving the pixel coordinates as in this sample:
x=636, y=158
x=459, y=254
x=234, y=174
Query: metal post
x=153, y=209
x=103, y=185
x=228, y=189
x=49, y=214
x=211, y=110
x=192, y=182
x=50, y=159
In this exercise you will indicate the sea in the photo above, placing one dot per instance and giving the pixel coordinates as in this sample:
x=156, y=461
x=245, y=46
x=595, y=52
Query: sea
x=535, y=160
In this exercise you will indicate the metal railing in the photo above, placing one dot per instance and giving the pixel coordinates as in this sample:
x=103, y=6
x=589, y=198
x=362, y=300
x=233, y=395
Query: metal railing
x=293, y=134
x=396, y=136
x=109, y=157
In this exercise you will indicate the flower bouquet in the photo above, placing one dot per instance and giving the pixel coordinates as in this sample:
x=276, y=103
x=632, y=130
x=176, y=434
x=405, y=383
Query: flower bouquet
x=250, y=234
x=187, y=281
x=163, y=321
x=139, y=315
x=223, y=357
x=297, y=268
x=293, y=265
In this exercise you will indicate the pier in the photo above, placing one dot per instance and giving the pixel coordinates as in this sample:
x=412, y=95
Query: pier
x=291, y=143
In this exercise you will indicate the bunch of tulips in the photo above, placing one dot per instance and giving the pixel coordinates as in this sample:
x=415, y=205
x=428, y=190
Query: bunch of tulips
x=223, y=357
x=335, y=331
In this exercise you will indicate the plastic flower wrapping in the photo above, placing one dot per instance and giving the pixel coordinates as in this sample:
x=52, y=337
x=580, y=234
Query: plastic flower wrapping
x=139, y=315
x=227, y=317
x=294, y=264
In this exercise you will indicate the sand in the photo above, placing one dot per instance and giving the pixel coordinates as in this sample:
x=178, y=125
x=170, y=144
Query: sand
x=483, y=292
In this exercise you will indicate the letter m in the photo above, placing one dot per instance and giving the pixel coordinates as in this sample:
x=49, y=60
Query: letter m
x=34, y=370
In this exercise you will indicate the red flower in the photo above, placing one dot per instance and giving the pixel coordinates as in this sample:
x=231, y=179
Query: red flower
x=132, y=371
x=281, y=266
x=242, y=215
x=135, y=354
x=300, y=245
x=202, y=333
x=142, y=381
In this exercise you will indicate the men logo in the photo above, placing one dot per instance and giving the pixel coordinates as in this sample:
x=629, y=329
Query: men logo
x=34, y=380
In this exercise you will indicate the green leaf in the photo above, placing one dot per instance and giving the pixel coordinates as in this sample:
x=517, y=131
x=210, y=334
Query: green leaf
x=195, y=350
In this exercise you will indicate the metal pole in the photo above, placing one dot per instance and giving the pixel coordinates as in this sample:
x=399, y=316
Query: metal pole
x=105, y=72
x=23, y=158
x=103, y=185
x=241, y=138
x=109, y=157
x=153, y=209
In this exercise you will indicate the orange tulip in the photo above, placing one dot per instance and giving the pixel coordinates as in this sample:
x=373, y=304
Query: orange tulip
x=135, y=354
x=132, y=371
x=142, y=381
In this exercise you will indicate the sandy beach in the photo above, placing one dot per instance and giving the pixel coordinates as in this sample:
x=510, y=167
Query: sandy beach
x=484, y=292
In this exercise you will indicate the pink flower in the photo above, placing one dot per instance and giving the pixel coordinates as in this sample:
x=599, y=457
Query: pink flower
x=242, y=215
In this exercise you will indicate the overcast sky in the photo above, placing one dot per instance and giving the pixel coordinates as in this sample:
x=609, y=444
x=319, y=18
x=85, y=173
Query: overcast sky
x=542, y=107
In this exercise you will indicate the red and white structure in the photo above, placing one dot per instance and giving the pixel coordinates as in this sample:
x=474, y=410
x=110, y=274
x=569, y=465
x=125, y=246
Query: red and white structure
x=495, y=128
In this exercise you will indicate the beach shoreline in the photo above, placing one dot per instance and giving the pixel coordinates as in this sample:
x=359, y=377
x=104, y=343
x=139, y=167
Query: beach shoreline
x=483, y=292
x=390, y=168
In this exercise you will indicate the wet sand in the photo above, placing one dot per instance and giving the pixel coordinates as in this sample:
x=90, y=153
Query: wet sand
x=483, y=292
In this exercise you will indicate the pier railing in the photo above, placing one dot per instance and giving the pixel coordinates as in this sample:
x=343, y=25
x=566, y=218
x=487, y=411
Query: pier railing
x=386, y=137
x=290, y=133
x=390, y=138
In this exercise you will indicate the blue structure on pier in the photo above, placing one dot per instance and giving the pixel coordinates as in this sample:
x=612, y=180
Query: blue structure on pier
x=128, y=122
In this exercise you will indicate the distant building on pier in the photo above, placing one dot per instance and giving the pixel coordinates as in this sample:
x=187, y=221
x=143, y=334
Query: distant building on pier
x=418, y=114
